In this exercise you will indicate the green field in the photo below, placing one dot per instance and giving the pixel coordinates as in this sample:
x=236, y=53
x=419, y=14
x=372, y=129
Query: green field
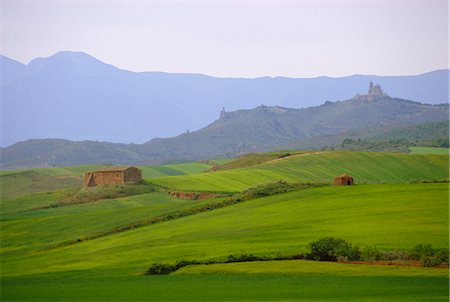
x=22, y=182
x=365, y=167
x=427, y=150
x=395, y=206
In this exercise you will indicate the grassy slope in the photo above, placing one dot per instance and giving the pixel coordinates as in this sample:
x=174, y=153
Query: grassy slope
x=149, y=172
x=22, y=182
x=108, y=269
x=40, y=229
x=390, y=216
x=300, y=267
x=428, y=150
x=365, y=167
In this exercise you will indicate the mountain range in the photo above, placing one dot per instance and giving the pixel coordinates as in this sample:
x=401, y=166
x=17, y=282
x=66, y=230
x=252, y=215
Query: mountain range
x=260, y=129
x=74, y=96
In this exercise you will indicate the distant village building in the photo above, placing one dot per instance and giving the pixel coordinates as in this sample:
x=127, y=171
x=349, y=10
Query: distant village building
x=222, y=113
x=375, y=92
x=343, y=180
x=112, y=176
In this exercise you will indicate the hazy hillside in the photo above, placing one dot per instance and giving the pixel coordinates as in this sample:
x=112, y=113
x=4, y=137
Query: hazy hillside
x=261, y=129
x=74, y=96
x=267, y=128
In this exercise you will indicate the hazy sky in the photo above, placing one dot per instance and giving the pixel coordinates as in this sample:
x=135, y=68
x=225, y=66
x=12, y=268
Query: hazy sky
x=236, y=38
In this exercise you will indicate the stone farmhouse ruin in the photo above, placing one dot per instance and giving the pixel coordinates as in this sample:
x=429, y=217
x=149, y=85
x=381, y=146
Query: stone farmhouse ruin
x=343, y=180
x=112, y=176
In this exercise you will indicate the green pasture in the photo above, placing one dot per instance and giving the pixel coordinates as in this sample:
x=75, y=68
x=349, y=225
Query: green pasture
x=395, y=205
x=428, y=150
x=45, y=228
x=22, y=182
x=304, y=267
x=365, y=167
x=432, y=285
x=149, y=172
x=395, y=216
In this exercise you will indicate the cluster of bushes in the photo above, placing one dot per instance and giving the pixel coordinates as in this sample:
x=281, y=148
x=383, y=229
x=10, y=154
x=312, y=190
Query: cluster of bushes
x=164, y=269
x=325, y=249
x=335, y=249
x=429, y=256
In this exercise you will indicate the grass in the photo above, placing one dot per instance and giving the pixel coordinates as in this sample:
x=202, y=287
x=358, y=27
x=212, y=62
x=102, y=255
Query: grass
x=303, y=267
x=393, y=210
x=329, y=286
x=389, y=216
x=253, y=159
x=365, y=167
x=428, y=150
x=150, y=172
x=45, y=228
x=22, y=182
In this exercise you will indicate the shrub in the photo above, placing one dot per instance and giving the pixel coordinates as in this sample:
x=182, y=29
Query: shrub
x=333, y=249
x=160, y=269
x=243, y=258
x=428, y=255
x=394, y=255
x=430, y=261
x=370, y=254
x=422, y=250
x=442, y=254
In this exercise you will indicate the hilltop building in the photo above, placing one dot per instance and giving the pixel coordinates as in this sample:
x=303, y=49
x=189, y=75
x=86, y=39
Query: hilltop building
x=375, y=92
x=343, y=180
x=222, y=113
x=112, y=176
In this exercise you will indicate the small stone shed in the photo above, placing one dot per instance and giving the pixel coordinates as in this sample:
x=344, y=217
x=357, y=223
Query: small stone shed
x=112, y=176
x=343, y=180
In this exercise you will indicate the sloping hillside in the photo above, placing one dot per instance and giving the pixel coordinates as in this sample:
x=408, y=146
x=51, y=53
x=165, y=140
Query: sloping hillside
x=389, y=216
x=235, y=133
x=322, y=167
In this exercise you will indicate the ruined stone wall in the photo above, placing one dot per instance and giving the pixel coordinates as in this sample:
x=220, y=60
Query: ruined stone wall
x=343, y=181
x=132, y=175
x=108, y=178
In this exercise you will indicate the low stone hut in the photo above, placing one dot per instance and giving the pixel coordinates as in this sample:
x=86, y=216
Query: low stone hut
x=343, y=180
x=112, y=176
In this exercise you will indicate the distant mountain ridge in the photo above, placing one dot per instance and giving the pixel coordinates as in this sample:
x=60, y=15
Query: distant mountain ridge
x=75, y=96
x=234, y=133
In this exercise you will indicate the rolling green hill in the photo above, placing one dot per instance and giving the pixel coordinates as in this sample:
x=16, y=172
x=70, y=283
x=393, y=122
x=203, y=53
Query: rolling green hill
x=365, y=167
x=56, y=253
x=22, y=182
x=389, y=216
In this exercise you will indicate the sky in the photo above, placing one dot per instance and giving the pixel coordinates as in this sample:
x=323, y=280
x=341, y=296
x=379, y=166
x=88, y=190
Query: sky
x=236, y=38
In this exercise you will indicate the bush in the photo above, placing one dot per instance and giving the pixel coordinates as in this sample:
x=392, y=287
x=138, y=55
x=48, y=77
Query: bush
x=428, y=255
x=442, y=254
x=160, y=269
x=333, y=249
x=422, y=250
x=429, y=261
x=394, y=255
x=243, y=258
x=371, y=254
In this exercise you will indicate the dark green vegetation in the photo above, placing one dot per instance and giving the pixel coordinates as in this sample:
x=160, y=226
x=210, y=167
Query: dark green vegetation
x=432, y=135
x=99, y=250
x=227, y=286
x=261, y=129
